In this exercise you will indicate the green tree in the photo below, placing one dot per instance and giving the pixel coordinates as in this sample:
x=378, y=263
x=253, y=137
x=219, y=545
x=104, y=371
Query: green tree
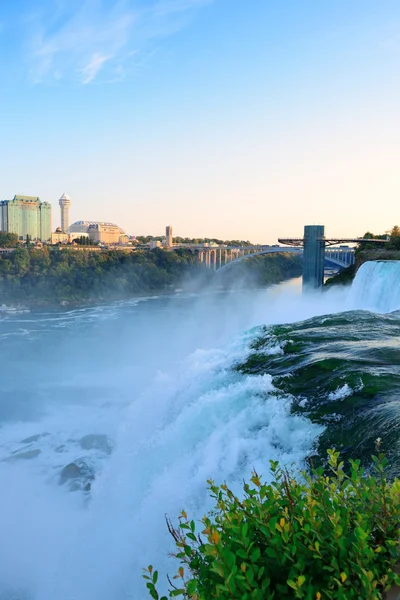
x=8, y=240
x=394, y=239
x=395, y=232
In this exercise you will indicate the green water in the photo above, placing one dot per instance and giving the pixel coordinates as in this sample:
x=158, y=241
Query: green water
x=342, y=372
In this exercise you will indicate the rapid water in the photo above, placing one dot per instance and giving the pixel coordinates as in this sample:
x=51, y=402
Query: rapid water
x=376, y=286
x=147, y=400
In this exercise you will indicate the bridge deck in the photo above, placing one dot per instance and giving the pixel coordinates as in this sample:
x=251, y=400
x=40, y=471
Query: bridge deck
x=331, y=241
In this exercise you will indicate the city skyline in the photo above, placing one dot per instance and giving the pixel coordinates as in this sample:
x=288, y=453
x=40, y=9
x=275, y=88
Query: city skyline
x=227, y=121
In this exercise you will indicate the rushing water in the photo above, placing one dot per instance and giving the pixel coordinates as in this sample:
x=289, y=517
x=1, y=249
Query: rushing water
x=146, y=400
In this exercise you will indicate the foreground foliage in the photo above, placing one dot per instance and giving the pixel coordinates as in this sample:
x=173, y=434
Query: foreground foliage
x=312, y=537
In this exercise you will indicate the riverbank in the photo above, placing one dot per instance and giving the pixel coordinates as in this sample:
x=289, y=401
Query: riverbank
x=37, y=278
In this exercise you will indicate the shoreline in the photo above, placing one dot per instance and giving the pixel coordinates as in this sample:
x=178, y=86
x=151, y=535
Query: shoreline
x=68, y=304
x=14, y=308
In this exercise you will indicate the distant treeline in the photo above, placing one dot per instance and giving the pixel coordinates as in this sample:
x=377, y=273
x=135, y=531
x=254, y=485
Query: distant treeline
x=393, y=244
x=145, y=239
x=48, y=275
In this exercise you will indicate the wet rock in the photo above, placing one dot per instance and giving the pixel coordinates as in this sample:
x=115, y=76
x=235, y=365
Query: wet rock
x=78, y=475
x=27, y=455
x=96, y=442
x=34, y=438
x=71, y=471
x=60, y=448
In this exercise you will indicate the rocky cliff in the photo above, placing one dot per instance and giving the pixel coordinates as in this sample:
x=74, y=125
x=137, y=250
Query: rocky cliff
x=366, y=255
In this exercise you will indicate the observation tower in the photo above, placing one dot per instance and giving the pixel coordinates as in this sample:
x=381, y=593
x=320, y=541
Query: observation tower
x=65, y=203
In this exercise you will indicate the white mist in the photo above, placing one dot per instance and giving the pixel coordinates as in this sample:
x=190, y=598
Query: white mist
x=165, y=393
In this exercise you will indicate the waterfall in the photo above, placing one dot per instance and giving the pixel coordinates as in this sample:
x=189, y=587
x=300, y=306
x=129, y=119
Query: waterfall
x=376, y=286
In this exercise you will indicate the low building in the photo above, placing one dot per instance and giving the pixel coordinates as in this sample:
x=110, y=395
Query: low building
x=59, y=237
x=105, y=233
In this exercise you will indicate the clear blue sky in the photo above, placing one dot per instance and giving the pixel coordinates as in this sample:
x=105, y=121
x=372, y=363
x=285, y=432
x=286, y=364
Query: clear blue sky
x=227, y=118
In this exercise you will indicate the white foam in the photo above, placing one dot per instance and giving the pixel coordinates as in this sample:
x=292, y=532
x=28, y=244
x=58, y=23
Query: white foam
x=341, y=393
x=376, y=287
x=187, y=419
x=207, y=422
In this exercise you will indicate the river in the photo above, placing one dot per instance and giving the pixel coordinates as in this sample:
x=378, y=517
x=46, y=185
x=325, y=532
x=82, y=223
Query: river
x=113, y=416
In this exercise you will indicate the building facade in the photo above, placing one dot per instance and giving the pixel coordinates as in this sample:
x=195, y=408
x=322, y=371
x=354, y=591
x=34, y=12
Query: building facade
x=105, y=233
x=59, y=237
x=45, y=221
x=26, y=216
x=65, y=203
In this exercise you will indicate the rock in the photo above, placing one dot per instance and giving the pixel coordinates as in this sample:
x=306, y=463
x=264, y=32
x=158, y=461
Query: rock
x=34, y=438
x=71, y=471
x=78, y=475
x=27, y=455
x=96, y=442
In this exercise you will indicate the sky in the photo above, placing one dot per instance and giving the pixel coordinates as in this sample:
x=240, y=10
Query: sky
x=235, y=119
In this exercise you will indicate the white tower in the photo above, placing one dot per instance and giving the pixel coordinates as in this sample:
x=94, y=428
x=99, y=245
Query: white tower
x=65, y=203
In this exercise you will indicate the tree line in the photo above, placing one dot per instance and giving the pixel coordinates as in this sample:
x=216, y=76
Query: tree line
x=145, y=239
x=48, y=275
x=392, y=240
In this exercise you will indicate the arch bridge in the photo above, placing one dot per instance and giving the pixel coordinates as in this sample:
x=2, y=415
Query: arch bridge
x=317, y=250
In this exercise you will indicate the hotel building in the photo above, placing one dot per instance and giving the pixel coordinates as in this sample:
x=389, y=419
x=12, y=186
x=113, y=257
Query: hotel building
x=26, y=216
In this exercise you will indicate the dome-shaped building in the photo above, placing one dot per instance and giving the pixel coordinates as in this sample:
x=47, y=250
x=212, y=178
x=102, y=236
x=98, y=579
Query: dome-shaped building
x=98, y=231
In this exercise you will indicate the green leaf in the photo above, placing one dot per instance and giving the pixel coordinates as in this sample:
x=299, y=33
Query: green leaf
x=255, y=555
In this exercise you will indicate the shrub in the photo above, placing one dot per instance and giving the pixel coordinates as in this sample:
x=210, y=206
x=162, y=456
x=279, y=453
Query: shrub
x=311, y=536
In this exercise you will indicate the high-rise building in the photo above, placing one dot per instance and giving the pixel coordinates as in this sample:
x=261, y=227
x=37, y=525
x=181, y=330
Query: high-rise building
x=168, y=236
x=45, y=221
x=65, y=203
x=26, y=216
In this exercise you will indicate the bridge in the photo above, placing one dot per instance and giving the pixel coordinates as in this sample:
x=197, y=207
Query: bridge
x=314, y=244
x=315, y=248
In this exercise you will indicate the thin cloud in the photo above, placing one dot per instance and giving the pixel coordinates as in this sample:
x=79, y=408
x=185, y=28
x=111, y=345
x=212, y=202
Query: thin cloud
x=94, y=66
x=79, y=39
x=168, y=7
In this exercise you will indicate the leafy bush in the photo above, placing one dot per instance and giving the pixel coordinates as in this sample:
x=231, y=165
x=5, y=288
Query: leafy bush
x=311, y=536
